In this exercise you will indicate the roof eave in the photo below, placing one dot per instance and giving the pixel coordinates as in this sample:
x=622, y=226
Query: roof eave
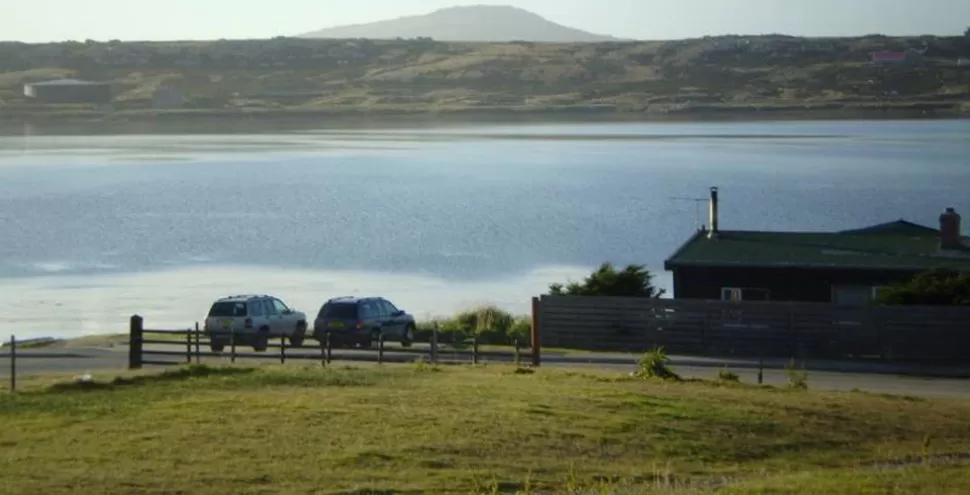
x=670, y=262
x=670, y=265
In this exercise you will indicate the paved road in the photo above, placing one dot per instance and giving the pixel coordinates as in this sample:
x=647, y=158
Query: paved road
x=822, y=375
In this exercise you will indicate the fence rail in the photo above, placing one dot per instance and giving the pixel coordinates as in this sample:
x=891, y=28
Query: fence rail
x=190, y=345
x=768, y=329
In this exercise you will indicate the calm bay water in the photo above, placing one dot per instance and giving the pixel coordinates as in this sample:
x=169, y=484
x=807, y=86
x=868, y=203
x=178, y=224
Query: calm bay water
x=95, y=228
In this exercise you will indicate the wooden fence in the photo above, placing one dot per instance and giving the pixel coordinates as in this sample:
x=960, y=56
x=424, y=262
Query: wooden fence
x=751, y=329
x=158, y=347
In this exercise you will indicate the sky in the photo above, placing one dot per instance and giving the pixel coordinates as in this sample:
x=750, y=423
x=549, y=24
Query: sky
x=59, y=20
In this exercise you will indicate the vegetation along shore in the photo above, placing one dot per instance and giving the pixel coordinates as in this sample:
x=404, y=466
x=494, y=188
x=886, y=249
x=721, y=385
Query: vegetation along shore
x=310, y=80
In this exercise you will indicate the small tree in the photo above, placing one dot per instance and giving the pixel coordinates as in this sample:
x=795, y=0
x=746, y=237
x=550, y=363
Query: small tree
x=934, y=288
x=632, y=281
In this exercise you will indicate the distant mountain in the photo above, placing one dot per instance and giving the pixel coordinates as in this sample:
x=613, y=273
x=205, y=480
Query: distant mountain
x=489, y=23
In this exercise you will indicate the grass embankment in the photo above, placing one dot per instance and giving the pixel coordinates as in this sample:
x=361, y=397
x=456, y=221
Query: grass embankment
x=413, y=429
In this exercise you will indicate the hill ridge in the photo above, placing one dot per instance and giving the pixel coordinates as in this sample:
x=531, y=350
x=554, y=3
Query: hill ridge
x=471, y=23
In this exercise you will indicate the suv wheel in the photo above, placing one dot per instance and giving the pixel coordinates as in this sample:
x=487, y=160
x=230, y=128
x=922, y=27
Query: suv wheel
x=217, y=347
x=262, y=340
x=296, y=339
x=408, y=337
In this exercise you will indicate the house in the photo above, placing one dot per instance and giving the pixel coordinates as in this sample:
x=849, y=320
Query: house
x=69, y=91
x=847, y=267
x=889, y=57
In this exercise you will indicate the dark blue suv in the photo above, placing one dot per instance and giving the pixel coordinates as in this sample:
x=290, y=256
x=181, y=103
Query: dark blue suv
x=361, y=321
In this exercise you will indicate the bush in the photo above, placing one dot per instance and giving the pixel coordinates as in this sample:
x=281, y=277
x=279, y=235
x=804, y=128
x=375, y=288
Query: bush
x=797, y=379
x=934, y=288
x=490, y=324
x=521, y=331
x=726, y=375
x=632, y=281
x=653, y=364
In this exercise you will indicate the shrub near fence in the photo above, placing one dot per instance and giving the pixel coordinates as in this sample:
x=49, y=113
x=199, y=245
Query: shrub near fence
x=768, y=329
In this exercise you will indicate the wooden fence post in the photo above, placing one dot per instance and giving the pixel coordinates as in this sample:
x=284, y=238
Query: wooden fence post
x=761, y=370
x=329, y=348
x=434, y=344
x=13, y=363
x=188, y=346
x=535, y=334
x=380, y=348
x=135, y=345
x=885, y=352
x=474, y=349
x=518, y=360
x=198, y=353
x=232, y=345
x=282, y=349
x=705, y=332
x=791, y=330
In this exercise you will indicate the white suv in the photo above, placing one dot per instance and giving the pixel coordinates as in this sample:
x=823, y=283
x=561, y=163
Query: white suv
x=253, y=320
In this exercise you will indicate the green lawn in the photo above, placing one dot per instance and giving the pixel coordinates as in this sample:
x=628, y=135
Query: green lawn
x=414, y=429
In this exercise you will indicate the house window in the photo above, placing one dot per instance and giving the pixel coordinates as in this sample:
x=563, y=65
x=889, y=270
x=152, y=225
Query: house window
x=744, y=294
x=855, y=295
x=730, y=294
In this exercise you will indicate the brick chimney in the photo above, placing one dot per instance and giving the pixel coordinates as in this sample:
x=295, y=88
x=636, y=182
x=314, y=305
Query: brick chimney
x=950, y=230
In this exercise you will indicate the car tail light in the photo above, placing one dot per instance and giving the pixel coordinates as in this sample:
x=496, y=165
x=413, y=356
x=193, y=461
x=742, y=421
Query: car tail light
x=248, y=323
x=360, y=324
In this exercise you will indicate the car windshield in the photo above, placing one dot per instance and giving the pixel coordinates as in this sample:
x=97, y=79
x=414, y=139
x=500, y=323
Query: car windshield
x=228, y=309
x=340, y=310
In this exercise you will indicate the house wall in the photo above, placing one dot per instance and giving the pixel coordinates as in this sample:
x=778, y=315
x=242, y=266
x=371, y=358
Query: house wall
x=783, y=284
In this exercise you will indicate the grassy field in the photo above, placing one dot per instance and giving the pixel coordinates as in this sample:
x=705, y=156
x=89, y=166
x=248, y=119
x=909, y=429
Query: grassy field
x=415, y=429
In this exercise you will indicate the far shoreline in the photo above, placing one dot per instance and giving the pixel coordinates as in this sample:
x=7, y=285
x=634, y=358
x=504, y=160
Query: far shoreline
x=287, y=120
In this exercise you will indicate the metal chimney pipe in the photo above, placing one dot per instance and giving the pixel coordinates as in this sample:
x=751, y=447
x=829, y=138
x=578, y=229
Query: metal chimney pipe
x=713, y=220
x=950, y=230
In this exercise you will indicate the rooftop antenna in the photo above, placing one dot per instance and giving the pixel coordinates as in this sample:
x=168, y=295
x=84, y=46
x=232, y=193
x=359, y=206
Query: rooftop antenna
x=697, y=207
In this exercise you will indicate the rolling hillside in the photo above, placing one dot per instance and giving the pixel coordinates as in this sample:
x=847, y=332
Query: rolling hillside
x=722, y=75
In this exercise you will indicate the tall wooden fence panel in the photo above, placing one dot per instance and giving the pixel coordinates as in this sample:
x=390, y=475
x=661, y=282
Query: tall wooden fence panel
x=769, y=329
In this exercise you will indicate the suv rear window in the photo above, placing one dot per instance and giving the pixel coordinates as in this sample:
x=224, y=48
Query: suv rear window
x=228, y=309
x=339, y=310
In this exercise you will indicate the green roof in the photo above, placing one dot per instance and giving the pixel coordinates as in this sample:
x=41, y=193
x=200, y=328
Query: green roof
x=897, y=245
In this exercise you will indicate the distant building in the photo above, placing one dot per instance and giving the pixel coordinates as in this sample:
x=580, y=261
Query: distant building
x=69, y=91
x=889, y=57
x=909, y=56
x=847, y=268
x=167, y=97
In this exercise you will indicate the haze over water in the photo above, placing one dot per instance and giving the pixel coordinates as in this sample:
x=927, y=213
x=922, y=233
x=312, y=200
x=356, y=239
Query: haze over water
x=95, y=228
